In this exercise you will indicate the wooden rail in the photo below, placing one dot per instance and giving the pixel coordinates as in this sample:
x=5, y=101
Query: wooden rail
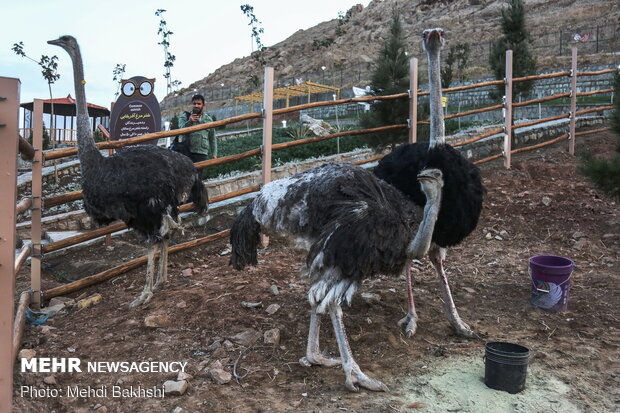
x=588, y=132
x=125, y=267
x=536, y=122
x=540, y=100
x=24, y=253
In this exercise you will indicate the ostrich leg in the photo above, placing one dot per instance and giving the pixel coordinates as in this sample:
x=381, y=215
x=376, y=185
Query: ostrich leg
x=162, y=273
x=410, y=321
x=313, y=354
x=437, y=255
x=147, y=293
x=352, y=371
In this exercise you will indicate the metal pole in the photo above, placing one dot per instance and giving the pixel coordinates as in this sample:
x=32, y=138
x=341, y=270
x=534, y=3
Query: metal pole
x=413, y=99
x=267, y=131
x=37, y=191
x=508, y=111
x=9, y=125
x=573, y=102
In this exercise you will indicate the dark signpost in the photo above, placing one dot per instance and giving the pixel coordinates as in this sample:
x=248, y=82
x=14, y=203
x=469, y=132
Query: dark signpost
x=136, y=112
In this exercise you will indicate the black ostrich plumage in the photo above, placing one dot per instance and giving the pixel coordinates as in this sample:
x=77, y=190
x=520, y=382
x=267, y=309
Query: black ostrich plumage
x=341, y=214
x=142, y=185
x=461, y=201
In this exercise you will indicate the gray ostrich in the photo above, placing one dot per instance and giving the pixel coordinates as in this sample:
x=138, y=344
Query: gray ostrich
x=353, y=226
x=141, y=185
x=462, y=191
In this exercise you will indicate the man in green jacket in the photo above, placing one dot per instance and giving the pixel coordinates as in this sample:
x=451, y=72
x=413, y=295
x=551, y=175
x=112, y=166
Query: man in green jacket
x=203, y=144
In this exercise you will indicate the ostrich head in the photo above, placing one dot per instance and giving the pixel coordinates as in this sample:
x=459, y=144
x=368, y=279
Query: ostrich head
x=432, y=39
x=68, y=43
x=431, y=181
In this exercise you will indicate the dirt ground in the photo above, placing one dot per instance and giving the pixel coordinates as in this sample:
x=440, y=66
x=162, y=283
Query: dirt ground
x=541, y=206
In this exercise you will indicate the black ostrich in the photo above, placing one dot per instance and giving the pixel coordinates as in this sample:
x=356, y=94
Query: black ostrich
x=353, y=226
x=141, y=185
x=461, y=199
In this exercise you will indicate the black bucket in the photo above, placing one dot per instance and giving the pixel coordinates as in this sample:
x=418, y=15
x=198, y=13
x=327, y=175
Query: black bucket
x=505, y=366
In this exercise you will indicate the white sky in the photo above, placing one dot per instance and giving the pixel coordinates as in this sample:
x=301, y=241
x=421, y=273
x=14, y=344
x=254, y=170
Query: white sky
x=207, y=35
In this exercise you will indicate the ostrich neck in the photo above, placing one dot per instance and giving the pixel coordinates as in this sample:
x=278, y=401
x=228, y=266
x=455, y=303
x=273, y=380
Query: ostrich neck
x=87, y=151
x=437, y=132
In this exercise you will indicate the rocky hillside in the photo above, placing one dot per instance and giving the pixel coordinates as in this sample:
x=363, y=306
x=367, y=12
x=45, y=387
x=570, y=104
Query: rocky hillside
x=355, y=40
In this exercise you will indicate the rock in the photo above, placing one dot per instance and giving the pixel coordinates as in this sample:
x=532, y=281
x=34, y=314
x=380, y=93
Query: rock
x=218, y=374
x=87, y=302
x=503, y=233
x=181, y=304
x=219, y=353
x=317, y=126
x=187, y=272
x=47, y=329
x=546, y=200
x=497, y=237
x=49, y=380
x=158, y=321
x=228, y=344
x=581, y=244
x=610, y=236
x=246, y=338
x=101, y=409
x=272, y=309
x=272, y=336
x=175, y=388
x=179, y=410
x=184, y=376
x=251, y=305
x=225, y=252
x=469, y=290
x=214, y=346
x=488, y=235
x=578, y=235
x=273, y=290
x=53, y=310
x=371, y=298
x=296, y=404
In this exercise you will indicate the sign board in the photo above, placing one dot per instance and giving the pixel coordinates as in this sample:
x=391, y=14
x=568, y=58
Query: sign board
x=444, y=101
x=136, y=112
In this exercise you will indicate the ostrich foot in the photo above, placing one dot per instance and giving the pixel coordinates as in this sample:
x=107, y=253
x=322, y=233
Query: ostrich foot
x=144, y=298
x=318, y=359
x=464, y=330
x=354, y=375
x=410, y=323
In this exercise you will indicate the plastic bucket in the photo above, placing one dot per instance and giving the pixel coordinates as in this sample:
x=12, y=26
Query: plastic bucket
x=505, y=366
x=550, y=277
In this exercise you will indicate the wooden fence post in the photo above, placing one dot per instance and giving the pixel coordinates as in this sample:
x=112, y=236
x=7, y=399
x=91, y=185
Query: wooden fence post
x=508, y=111
x=37, y=204
x=267, y=131
x=413, y=99
x=9, y=124
x=573, y=102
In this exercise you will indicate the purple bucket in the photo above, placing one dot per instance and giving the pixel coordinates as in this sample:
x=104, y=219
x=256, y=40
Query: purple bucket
x=550, y=277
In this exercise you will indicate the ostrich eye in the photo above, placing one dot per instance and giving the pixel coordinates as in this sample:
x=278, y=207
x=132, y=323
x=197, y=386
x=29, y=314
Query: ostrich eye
x=146, y=88
x=128, y=89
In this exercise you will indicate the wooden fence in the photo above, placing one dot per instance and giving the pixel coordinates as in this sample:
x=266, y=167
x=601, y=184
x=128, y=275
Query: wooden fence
x=36, y=203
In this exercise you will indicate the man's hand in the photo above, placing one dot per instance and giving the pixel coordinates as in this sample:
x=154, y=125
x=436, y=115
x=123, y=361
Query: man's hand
x=194, y=118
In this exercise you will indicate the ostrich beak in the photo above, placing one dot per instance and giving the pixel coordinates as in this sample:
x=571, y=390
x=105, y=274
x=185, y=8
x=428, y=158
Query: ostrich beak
x=54, y=42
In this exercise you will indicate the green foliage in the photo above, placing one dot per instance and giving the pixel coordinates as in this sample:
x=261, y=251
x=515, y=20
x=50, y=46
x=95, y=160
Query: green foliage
x=516, y=38
x=459, y=55
x=391, y=76
x=297, y=153
x=98, y=136
x=343, y=19
x=169, y=58
x=605, y=173
x=298, y=132
x=118, y=72
x=317, y=44
x=174, y=122
x=256, y=32
x=46, y=138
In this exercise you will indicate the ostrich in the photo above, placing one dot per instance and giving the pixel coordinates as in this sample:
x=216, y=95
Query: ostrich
x=462, y=191
x=353, y=226
x=141, y=185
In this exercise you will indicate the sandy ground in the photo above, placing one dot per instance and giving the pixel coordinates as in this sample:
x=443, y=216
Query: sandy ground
x=541, y=206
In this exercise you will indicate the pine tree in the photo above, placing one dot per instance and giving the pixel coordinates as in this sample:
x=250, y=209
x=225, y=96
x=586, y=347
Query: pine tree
x=516, y=38
x=391, y=76
x=605, y=173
